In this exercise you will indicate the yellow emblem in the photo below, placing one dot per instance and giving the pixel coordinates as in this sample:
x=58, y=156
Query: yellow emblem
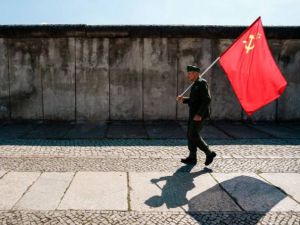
x=249, y=45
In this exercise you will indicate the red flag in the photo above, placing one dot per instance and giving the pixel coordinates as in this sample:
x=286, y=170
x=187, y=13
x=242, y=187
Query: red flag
x=251, y=69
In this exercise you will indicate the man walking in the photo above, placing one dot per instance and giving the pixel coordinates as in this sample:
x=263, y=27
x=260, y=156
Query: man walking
x=198, y=103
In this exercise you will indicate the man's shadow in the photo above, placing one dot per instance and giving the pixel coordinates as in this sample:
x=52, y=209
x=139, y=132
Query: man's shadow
x=173, y=193
x=245, y=201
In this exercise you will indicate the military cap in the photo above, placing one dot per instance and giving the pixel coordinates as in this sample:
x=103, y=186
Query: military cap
x=191, y=68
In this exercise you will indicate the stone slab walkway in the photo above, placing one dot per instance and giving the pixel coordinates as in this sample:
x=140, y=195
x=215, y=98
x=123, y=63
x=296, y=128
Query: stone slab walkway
x=194, y=191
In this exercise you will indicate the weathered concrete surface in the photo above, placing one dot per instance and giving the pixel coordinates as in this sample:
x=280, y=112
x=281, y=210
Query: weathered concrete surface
x=92, y=81
x=181, y=191
x=288, y=182
x=126, y=67
x=97, y=191
x=115, y=76
x=192, y=51
x=252, y=193
x=4, y=84
x=13, y=185
x=46, y=193
x=160, y=78
x=224, y=104
x=289, y=102
x=58, y=78
x=25, y=79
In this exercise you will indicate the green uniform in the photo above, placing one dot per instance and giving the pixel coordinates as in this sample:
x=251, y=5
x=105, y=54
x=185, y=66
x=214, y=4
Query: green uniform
x=198, y=102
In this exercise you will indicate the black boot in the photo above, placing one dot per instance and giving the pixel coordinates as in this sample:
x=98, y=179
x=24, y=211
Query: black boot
x=209, y=158
x=189, y=161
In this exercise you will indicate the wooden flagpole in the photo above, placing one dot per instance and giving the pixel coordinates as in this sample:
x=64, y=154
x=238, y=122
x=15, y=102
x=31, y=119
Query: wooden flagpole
x=204, y=72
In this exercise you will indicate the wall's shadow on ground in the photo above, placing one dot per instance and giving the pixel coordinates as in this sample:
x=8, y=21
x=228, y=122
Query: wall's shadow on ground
x=137, y=133
x=249, y=194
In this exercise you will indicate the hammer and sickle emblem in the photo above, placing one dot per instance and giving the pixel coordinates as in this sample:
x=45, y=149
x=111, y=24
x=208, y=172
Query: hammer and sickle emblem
x=249, y=45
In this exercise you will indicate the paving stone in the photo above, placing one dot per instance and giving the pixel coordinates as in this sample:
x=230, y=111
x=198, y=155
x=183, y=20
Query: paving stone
x=181, y=191
x=13, y=186
x=49, y=131
x=208, y=131
x=15, y=130
x=288, y=182
x=291, y=124
x=240, y=130
x=252, y=193
x=126, y=130
x=277, y=130
x=96, y=191
x=46, y=192
x=164, y=129
x=211, y=132
x=87, y=131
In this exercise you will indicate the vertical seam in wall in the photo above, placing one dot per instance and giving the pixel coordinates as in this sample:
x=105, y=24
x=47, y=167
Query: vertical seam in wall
x=213, y=70
x=42, y=87
x=75, y=81
x=143, y=47
x=277, y=102
x=177, y=75
x=276, y=110
x=8, y=76
x=109, y=98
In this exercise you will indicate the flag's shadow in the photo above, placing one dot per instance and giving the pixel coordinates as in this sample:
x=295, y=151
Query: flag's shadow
x=246, y=193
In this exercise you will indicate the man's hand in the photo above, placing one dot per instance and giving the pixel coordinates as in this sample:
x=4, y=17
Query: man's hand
x=179, y=98
x=154, y=180
x=197, y=118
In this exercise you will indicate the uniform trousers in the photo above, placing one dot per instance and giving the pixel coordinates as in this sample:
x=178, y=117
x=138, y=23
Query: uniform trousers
x=194, y=138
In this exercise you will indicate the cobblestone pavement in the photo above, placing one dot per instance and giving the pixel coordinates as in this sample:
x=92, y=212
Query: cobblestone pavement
x=277, y=155
x=145, y=149
x=153, y=218
x=146, y=165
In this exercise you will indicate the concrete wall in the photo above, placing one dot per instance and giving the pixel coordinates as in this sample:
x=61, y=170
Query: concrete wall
x=25, y=79
x=128, y=73
x=92, y=79
x=4, y=81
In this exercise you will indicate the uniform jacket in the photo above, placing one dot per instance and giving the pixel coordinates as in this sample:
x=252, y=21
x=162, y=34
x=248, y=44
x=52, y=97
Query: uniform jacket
x=199, y=99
